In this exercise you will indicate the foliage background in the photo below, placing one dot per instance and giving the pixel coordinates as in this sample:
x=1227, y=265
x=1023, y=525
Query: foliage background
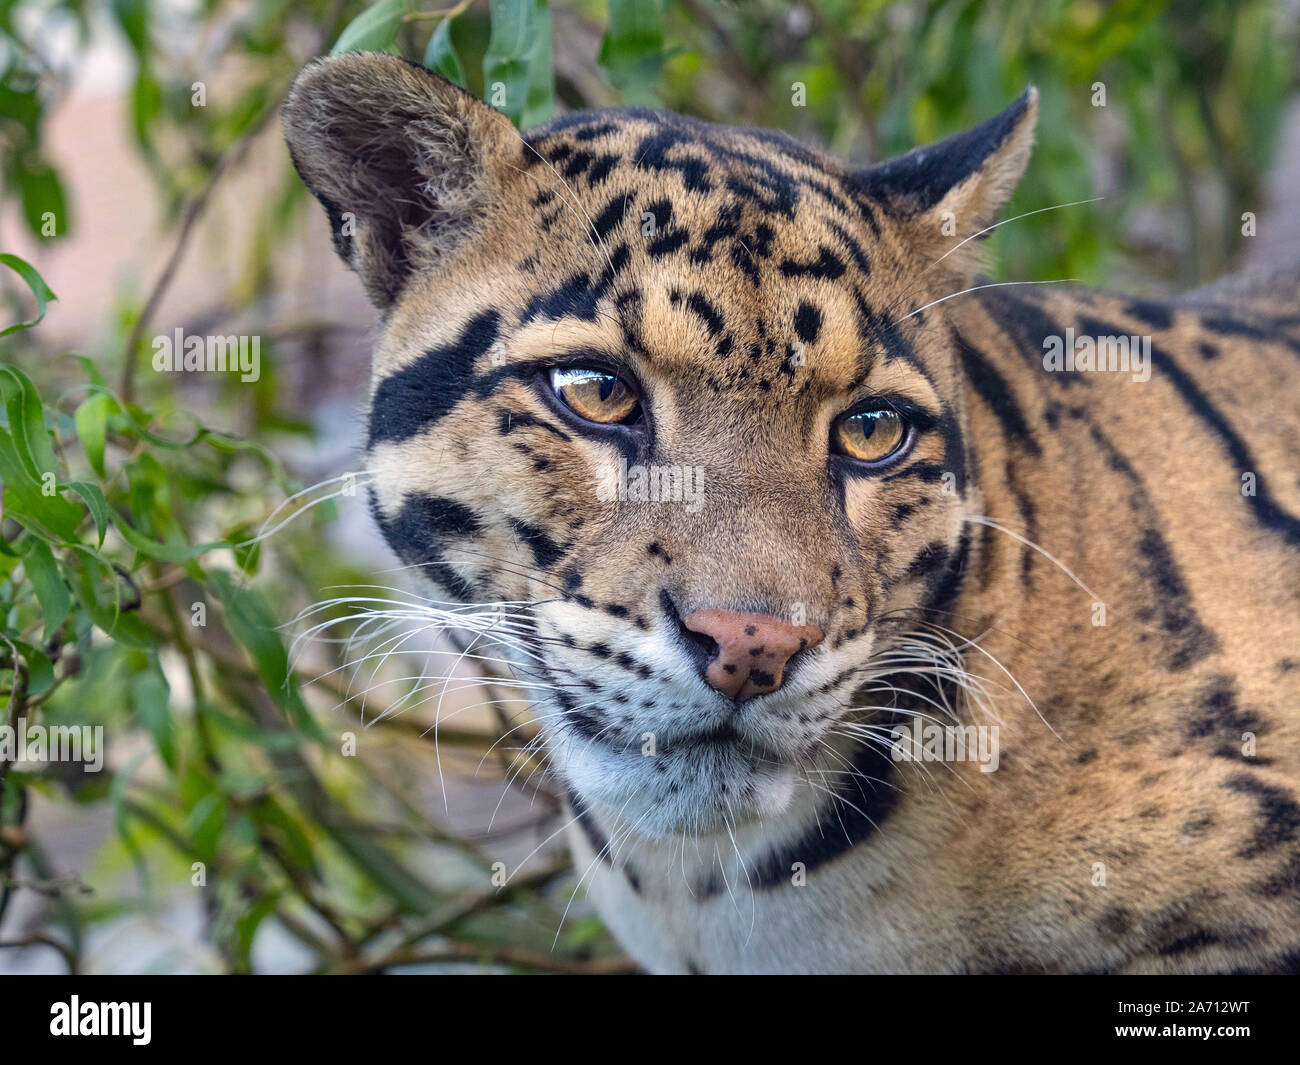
x=223, y=749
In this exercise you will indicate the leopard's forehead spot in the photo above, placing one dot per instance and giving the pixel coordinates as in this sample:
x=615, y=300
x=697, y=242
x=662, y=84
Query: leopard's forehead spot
x=751, y=199
x=725, y=260
x=704, y=155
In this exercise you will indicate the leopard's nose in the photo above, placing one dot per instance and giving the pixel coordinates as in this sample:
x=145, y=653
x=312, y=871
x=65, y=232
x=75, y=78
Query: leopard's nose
x=752, y=650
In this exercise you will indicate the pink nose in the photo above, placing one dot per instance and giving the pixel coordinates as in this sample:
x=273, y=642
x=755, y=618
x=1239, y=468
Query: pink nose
x=753, y=649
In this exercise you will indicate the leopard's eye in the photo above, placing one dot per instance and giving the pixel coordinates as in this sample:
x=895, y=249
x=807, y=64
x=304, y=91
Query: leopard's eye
x=596, y=395
x=872, y=435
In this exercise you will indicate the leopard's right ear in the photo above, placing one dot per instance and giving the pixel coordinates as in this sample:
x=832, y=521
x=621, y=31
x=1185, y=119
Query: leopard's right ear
x=947, y=195
x=406, y=164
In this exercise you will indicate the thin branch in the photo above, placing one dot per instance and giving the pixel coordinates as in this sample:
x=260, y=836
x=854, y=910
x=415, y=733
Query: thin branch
x=496, y=954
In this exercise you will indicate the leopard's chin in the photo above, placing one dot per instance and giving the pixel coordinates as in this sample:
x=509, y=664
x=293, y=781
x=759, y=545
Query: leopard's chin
x=705, y=790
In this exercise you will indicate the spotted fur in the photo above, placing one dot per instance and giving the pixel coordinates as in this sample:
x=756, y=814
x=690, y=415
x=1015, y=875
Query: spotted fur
x=753, y=289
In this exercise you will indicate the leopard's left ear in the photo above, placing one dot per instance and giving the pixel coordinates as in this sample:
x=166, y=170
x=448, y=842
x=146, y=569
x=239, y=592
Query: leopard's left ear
x=949, y=191
x=407, y=165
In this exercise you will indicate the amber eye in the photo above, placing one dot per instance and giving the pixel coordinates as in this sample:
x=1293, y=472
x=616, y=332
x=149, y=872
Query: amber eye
x=596, y=395
x=870, y=435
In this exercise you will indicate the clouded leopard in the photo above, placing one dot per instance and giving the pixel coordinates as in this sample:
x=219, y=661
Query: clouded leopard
x=876, y=617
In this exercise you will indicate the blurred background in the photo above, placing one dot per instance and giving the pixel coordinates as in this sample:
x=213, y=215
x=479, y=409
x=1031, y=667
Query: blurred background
x=184, y=560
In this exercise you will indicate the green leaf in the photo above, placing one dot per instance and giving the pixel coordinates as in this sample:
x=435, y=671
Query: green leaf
x=632, y=51
x=91, y=370
x=34, y=282
x=92, y=428
x=540, y=105
x=512, y=25
x=102, y=599
x=254, y=626
x=27, y=422
x=374, y=30
x=28, y=467
x=40, y=671
x=165, y=552
x=133, y=17
x=250, y=733
x=149, y=694
x=247, y=924
x=146, y=107
x=441, y=57
x=21, y=105
x=520, y=44
x=404, y=888
x=43, y=199
x=279, y=824
x=50, y=517
x=93, y=496
x=205, y=822
x=51, y=592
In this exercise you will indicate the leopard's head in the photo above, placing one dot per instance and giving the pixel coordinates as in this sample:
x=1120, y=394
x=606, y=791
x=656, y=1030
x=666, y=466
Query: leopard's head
x=684, y=402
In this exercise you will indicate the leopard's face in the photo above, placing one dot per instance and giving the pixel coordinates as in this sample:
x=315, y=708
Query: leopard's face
x=658, y=393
